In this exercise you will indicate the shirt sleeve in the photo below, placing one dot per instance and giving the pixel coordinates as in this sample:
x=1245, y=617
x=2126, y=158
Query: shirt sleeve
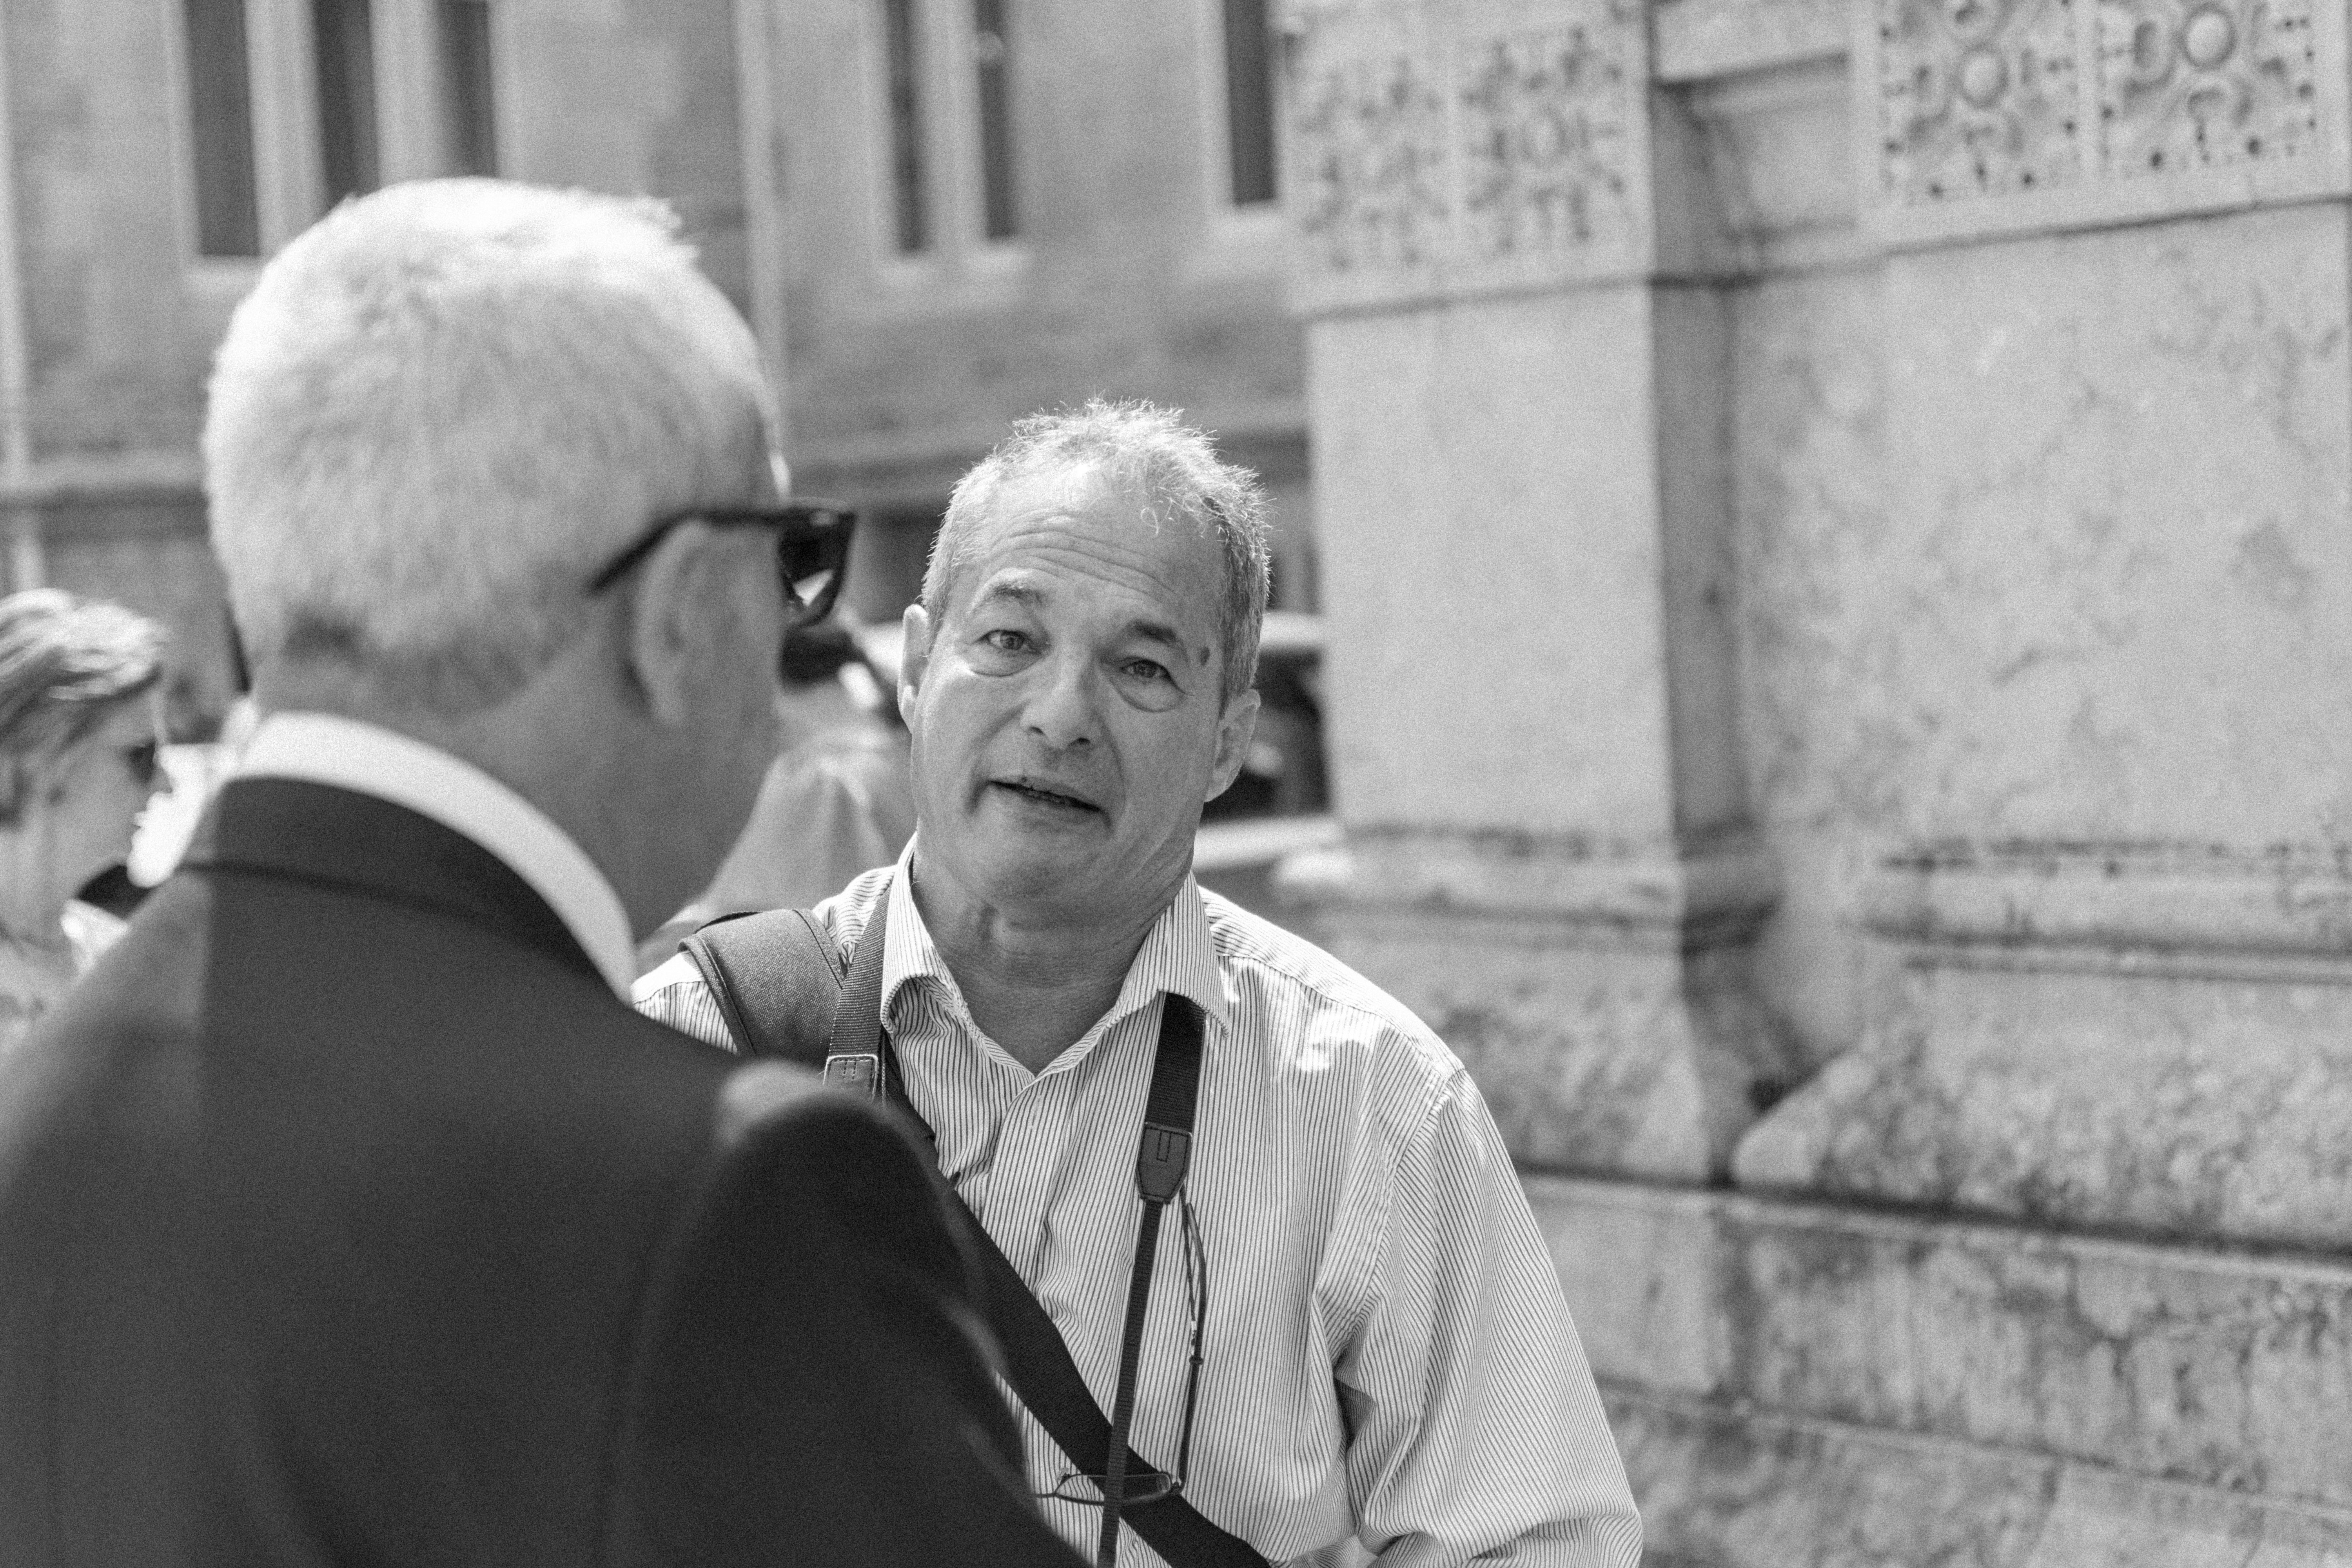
x=676, y=993
x=1478, y=1436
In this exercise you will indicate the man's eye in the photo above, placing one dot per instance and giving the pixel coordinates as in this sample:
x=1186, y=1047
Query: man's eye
x=1145, y=669
x=1006, y=641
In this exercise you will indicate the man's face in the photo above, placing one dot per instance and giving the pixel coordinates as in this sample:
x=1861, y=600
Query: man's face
x=1067, y=712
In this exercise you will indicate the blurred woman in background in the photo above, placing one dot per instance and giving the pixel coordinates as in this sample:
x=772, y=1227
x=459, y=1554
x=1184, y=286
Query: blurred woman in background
x=79, y=712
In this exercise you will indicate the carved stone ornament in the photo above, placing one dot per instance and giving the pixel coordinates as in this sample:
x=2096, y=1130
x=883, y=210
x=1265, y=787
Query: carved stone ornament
x=1370, y=134
x=2185, y=86
x=1544, y=140
x=1978, y=97
x=1437, y=148
x=2013, y=115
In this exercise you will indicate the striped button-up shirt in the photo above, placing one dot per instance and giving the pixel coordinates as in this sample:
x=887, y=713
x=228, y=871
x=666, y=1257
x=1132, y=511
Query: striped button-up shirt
x=1389, y=1368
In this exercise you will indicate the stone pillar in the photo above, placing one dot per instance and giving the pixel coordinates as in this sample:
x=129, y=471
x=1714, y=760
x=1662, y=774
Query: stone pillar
x=1518, y=381
x=2118, y=432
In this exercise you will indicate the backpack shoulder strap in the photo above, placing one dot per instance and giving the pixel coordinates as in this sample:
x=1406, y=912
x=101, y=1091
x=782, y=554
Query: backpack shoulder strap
x=777, y=978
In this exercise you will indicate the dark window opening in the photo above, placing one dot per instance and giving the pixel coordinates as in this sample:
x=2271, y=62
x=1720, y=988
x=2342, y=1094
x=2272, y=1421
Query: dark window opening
x=220, y=130
x=345, y=36
x=1249, y=102
x=909, y=206
x=469, y=94
x=992, y=54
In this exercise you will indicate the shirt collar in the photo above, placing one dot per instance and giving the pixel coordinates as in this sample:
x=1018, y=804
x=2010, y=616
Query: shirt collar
x=367, y=759
x=1178, y=955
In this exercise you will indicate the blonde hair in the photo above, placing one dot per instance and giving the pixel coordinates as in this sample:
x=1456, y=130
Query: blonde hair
x=444, y=405
x=1150, y=453
x=65, y=664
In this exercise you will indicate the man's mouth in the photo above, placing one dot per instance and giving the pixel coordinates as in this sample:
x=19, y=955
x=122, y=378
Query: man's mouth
x=1045, y=795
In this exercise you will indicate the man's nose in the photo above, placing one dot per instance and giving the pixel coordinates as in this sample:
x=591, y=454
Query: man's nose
x=1062, y=710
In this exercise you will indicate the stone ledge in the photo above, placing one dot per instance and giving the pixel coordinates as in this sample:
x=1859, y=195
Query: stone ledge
x=1705, y=41
x=1723, y=1487
x=1662, y=900
x=2156, y=902
x=2203, y=1365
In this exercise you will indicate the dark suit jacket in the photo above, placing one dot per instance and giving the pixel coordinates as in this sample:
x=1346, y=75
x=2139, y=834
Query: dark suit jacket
x=346, y=1216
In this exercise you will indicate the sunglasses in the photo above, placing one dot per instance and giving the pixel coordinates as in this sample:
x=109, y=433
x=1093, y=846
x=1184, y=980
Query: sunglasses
x=812, y=546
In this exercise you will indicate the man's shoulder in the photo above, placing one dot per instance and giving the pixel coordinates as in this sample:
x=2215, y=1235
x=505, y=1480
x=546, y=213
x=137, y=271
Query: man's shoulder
x=674, y=991
x=1319, y=1004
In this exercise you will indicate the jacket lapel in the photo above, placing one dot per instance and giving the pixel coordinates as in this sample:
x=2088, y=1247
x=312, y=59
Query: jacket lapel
x=340, y=839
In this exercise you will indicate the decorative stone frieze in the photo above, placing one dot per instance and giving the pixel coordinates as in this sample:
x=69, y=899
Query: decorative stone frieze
x=2205, y=85
x=1544, y=128
x=1978, y=97
x=1998, y=116
x=1444, y=149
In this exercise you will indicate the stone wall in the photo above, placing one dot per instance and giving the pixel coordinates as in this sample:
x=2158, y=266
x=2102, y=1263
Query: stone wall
x=1896, y=457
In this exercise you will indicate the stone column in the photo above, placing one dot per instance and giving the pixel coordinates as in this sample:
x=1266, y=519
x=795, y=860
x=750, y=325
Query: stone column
x=1518, y=386
x=2119, y=441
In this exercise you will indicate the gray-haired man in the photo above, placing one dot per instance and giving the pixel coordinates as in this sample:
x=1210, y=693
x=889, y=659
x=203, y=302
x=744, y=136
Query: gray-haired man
x=348, y=1214
x=1385, y=1362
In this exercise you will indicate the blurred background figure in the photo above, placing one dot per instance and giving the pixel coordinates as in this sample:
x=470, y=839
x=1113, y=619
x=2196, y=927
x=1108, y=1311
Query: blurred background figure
x=835, y=803
x=79, y=730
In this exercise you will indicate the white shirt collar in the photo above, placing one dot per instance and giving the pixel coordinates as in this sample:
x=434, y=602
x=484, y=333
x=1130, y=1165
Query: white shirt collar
x=1178, y=953
x=367, y=759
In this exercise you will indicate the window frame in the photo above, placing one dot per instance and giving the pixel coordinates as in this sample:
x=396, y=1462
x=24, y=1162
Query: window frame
x=1249, y=236
x=414, y=134
x=960, y=264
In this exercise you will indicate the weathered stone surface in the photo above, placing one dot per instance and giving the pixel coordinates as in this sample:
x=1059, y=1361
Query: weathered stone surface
x=1602, y=1004
x=2195, y=1365
x=2116, y=467
x=1743, y=1491
x=2098, y=1040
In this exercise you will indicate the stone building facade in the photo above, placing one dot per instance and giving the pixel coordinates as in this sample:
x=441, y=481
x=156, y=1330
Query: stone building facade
x=1892, y=885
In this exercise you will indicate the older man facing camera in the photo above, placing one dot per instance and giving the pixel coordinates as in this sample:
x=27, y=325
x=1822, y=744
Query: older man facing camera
x=348, y=1214
x=1267, y=1284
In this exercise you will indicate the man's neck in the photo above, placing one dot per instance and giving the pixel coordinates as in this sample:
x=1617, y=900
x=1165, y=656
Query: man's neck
x=1034, y=985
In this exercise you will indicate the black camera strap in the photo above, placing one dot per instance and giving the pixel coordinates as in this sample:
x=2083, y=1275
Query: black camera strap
x=781, y=984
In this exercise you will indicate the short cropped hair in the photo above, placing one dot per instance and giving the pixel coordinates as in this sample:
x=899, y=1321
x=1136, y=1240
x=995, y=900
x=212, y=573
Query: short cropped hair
x=1170, y=468
x=65, y=664
x=444, y=405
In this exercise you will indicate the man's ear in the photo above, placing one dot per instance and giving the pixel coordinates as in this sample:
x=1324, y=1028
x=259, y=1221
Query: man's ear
x=681, y=595
x=914, y=658
x=1236, y=726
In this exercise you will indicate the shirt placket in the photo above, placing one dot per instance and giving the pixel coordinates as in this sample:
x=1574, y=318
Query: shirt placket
x=1031, y=1148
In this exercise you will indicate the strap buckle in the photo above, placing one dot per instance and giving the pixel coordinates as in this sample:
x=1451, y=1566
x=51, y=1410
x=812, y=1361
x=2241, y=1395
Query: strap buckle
x=859, y=1072
x=1161, y=1157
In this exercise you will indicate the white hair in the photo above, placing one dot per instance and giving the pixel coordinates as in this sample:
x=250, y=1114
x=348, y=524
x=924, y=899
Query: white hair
x=1168, y=466
x=444, y=406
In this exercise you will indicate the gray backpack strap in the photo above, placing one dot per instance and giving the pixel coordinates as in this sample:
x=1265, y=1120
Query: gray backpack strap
x=777, y=978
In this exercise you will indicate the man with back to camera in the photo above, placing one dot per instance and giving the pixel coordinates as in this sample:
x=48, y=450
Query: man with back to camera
x=1385, y=1362
x=350, y=1216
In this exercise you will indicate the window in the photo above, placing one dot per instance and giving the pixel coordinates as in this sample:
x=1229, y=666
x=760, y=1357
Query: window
x=909, y=192
x=1249, y=103
x=992, y=68
x=344, y=32
x=220, y=116
x=468, y=90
